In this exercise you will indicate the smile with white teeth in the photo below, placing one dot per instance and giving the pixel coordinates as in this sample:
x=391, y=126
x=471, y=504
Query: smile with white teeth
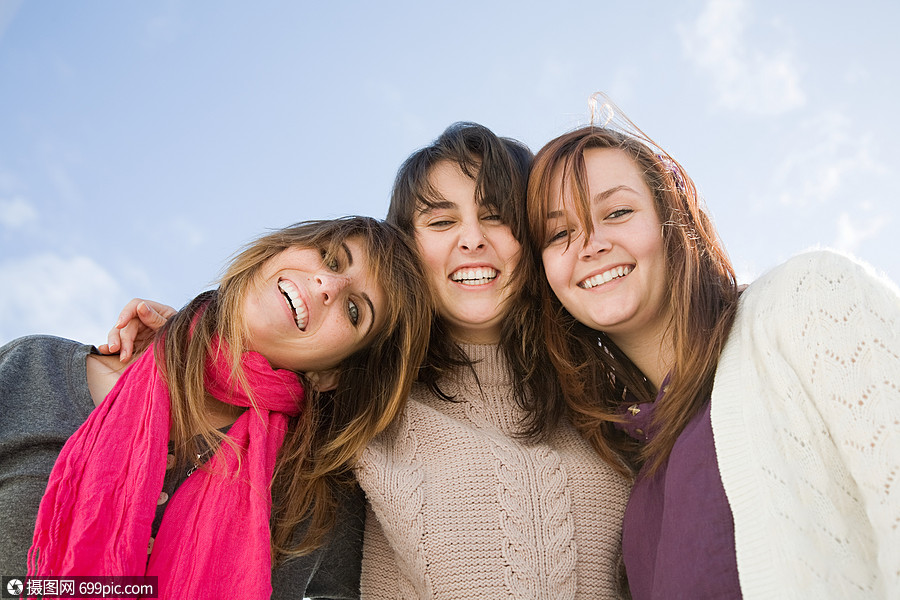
x=601, y=278
x=479, y=276
x=292, y=297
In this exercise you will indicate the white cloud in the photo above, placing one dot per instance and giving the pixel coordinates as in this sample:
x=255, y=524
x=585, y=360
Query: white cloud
x=745, y=77
x=747, y=271
x=16, y=213
x=850, y=235
x=72, y=297
x=827, y=153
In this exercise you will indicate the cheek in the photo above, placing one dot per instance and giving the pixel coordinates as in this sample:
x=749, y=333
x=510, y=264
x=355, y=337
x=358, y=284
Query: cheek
x=556, y=271
x=504, y=238
x=339, y=344
x=652, y=244
x=431, y=256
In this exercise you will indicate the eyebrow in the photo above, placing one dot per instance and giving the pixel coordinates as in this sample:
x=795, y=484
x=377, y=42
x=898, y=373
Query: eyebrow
x=364, y=295
x=371, y=311
x=607, y=193
x=598, y=197
x=439, y=205
x=349, y=254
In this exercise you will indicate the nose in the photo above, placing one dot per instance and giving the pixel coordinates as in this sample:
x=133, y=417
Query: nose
x=471, y=236
x=331, y=285
x=595, y=244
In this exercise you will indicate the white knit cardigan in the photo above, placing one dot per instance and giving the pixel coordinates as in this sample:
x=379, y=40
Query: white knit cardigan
x=806, y=420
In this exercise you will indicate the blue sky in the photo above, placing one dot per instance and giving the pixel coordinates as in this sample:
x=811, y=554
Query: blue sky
x=141, y=143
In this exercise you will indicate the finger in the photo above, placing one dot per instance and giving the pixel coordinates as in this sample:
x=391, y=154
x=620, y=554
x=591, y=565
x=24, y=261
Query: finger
x=113, y=342
x=164, y=310
x=150, y=316
x=127, y=335
x=128, y=313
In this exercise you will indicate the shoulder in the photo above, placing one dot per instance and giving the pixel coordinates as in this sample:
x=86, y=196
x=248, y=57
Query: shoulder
x=814, y=281
x=37, y=349
x=825, y=269
x=43, y=365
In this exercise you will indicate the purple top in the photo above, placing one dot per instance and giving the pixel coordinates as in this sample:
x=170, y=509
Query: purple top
x=678, y=534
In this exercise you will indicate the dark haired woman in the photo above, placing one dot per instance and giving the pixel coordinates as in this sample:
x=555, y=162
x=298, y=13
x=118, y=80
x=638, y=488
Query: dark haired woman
x=482, y=488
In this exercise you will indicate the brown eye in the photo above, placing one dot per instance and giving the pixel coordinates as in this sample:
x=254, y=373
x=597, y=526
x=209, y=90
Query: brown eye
x=331, y=263
x=557, y=236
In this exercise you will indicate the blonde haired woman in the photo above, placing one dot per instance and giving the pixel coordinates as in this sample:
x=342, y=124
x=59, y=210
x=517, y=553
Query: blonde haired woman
x=220, y=450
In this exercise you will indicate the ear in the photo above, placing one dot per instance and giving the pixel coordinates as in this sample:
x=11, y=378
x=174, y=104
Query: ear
x=323, y=381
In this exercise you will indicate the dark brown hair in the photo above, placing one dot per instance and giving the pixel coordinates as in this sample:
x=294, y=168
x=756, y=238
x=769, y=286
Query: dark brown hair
x=324, y=441
x=702, y=299
x=499, y=168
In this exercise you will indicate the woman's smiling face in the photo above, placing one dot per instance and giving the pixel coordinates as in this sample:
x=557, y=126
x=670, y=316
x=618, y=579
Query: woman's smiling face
x=614, y=278
x=307, y=313
x=469, y=255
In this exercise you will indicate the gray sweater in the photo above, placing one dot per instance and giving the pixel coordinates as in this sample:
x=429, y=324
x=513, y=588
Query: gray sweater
x=44, y=398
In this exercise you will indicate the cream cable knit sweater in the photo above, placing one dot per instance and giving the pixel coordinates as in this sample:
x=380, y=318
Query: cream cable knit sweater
x=806, y=420
x=461, y=509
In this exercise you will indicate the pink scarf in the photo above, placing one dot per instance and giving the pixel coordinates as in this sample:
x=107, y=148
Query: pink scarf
x=214, y=542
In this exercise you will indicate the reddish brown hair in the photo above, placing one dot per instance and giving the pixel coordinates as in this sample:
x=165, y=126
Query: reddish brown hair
x=702, y=299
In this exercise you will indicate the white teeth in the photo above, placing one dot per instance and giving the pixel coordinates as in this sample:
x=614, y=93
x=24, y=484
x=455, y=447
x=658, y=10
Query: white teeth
x=292, y=297
x=614, y=273
x=479, y=276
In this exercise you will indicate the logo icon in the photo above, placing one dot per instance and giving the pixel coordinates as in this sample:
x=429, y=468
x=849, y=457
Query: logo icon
x=14, y=587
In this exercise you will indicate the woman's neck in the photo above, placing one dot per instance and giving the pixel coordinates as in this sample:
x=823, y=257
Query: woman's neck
x=221, y=414
x=487, y=333
x=654, y=356
x=476, y=337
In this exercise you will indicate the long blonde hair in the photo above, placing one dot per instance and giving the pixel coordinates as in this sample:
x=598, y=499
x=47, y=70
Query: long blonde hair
x=324, y=441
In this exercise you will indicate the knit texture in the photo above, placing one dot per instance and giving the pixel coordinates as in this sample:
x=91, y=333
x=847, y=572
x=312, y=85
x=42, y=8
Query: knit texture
x=462, y=508
x=806, y=419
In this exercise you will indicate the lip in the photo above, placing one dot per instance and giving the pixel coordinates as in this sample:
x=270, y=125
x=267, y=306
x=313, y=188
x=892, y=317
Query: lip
x=605, y=275
x=474, y=275
x=298, y=300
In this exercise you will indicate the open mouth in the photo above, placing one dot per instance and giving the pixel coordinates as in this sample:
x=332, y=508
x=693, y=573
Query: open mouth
x=478, y=276
x=292, y=297
x=606, y=276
